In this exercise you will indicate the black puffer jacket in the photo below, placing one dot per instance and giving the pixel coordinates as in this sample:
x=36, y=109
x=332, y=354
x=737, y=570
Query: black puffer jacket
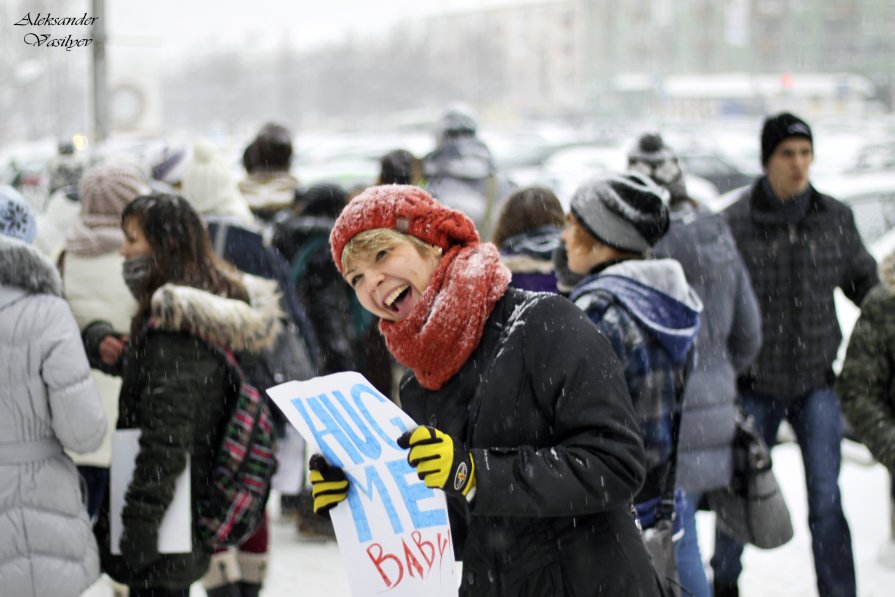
x=175, y=389
x=542, y=405
x=304, y=241
x=794, y=269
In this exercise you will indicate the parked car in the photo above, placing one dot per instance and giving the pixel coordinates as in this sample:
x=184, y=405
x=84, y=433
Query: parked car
x=715, y=169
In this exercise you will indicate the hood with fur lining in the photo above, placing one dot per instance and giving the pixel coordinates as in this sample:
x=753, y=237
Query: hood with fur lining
x=24, y=267
x=239, y=326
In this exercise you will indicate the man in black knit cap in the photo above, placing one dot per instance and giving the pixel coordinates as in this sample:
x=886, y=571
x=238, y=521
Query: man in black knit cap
x=798, y=245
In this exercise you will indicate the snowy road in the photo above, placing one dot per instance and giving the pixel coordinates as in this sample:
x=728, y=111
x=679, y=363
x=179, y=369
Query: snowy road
x=313, y=569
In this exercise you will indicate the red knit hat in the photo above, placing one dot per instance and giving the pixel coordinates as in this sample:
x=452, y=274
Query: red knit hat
x=404, y=208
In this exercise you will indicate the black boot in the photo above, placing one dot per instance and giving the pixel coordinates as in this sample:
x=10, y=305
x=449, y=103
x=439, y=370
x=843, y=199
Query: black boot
x=249, y=589
x=725, y=590
x=230, y=589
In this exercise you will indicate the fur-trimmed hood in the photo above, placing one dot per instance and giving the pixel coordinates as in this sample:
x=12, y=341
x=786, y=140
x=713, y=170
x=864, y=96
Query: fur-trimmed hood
x=887, y=273
x=239, y=326
x=24, y=267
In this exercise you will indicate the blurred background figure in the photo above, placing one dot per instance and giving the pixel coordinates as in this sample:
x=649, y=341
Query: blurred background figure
x=400, y=167
x=866, y=385
x=348, y=337
x=269, y=187
x=61, y=209
x=728, y=340
x=527, y=233
x=461, y=173
x=91, y=276
x=211, y=189
x=207, y=183
x=47, y=402
x=303, y=239
x=66, y=169
x=165, y=163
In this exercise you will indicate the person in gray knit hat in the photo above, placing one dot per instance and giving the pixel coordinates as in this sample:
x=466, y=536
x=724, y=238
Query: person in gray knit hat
x=649, y=314
x=626, y=212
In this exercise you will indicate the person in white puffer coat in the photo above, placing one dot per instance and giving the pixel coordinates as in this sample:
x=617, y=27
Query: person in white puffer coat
x=47, y=403
x=91, y=277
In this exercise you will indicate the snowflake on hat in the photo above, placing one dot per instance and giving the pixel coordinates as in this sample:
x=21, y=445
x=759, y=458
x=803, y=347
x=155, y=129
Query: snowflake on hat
x=15, y=220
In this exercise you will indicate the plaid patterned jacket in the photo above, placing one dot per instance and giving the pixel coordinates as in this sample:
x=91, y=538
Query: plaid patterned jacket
x=650, y=371
x=794, y=269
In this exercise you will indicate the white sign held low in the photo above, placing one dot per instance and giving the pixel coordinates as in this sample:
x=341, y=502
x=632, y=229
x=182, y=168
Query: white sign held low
x=393, y=531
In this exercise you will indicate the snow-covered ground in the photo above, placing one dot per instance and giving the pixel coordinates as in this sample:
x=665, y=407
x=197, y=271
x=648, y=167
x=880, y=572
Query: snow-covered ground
x=314, y=569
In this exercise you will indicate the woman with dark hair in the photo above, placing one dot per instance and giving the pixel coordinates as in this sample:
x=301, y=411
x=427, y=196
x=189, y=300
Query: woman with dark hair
x=526, y=424
x=527, y=233
x=176, y=384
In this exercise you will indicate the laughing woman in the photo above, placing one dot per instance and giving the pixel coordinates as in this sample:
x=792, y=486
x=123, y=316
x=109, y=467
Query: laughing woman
x=516, y=390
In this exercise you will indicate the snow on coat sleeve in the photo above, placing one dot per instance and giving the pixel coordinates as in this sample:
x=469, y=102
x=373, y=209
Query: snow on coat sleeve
x=77, y=412
x=595, y=462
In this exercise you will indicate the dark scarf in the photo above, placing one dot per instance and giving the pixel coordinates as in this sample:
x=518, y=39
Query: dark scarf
x=792, y=210
x=445, y=326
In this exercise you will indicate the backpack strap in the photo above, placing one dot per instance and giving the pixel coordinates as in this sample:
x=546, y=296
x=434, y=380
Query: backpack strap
x=302, y=258
x=219, y=237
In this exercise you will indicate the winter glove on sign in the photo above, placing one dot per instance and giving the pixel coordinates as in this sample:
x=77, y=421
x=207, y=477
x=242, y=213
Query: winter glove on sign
x=329, y=486
x=441, y=462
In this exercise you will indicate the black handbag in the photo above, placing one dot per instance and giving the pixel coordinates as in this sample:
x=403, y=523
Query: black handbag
x=752, y=509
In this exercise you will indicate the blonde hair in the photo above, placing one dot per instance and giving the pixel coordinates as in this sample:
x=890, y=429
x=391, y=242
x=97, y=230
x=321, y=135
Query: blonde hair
x=370, y=242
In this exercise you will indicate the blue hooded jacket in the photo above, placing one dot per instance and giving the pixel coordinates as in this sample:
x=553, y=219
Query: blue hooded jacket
x=650, y=315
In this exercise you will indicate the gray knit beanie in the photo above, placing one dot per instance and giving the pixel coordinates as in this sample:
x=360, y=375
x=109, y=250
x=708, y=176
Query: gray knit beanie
x=626, y=211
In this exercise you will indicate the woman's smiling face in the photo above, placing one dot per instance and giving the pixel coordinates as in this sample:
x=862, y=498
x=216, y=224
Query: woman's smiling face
x=389, y=282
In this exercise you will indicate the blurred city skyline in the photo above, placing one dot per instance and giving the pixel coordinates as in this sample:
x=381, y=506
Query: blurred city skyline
x=201, y=67
x=206, y=26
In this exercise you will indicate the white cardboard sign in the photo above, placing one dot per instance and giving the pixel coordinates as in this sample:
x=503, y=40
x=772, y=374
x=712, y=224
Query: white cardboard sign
x=393, y=531
x=175, y=531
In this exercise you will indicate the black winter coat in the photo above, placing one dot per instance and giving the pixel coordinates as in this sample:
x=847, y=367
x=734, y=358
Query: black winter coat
x=794, y=269
x=543, y=407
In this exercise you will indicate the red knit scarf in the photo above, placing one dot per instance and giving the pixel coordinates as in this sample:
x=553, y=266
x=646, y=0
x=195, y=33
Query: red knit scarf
x=446, y=324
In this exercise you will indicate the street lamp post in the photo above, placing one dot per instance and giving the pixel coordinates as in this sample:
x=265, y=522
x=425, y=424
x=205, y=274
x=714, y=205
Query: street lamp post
x=100, y=94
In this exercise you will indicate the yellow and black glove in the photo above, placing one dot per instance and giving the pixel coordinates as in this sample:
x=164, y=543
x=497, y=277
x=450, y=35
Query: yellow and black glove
x=329, y=485
x=441, y=462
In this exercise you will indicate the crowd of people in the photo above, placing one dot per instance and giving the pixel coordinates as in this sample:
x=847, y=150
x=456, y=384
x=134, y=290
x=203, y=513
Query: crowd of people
x=577, y=375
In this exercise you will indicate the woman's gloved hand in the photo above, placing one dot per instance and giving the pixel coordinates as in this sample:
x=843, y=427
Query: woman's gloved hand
x=441, y=462
x=329, y=485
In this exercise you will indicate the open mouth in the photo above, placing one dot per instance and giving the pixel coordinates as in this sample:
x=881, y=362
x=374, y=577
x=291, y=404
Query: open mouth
x=397, y=297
